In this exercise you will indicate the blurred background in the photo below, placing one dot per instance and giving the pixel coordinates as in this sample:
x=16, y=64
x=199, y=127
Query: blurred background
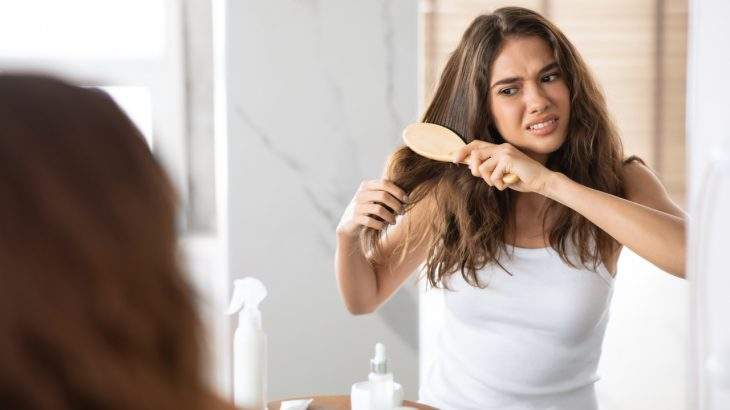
x=268, y=114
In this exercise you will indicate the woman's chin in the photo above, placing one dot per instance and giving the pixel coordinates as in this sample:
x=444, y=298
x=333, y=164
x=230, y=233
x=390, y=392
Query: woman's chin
x=541, y=148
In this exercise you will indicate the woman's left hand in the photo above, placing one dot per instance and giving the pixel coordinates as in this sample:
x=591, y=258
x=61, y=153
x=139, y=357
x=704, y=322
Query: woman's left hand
x=492, y=162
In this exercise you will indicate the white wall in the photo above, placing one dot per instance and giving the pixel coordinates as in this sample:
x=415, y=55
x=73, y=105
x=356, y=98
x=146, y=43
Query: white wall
x=709, y=167
x=644, y=360
x=318, y=93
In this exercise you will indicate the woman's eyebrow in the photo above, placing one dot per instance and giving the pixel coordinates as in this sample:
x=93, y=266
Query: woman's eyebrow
x=509, y=80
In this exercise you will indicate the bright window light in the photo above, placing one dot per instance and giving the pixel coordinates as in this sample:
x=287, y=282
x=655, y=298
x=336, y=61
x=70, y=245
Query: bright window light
x=82, y=29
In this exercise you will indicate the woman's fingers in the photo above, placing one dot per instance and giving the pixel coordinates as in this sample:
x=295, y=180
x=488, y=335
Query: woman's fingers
x=484, y=150
x=375, y=210
x=387, y=186
x=474, y=162
x=377, y=203
x=476, y=159
x=486, y=168
x=370, y=222
x=489, y=162
x=497, y=176
x=374, y=205
x=461, y=154
x=383, y=197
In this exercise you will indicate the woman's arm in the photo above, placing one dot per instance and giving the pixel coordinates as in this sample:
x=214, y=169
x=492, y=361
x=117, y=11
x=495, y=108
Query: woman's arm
x=364, y=284
x=647, y=221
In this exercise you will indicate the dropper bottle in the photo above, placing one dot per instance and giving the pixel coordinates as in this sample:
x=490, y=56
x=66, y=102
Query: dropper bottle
x=381, y=381
x=249, y=345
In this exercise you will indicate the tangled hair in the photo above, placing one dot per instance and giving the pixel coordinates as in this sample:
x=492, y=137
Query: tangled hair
x=469, y=220
x=94, y=312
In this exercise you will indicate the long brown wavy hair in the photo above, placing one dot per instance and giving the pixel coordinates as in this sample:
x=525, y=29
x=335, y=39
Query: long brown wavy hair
x=94, y=312
x=469, y=219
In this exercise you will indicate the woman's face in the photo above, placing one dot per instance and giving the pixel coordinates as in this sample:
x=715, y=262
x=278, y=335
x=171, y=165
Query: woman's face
x=529, y=98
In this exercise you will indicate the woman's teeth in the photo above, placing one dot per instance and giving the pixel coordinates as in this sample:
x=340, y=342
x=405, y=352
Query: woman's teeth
x=541, y=125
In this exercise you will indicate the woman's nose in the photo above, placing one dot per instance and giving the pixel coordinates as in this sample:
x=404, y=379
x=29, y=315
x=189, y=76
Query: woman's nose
x=536, y=100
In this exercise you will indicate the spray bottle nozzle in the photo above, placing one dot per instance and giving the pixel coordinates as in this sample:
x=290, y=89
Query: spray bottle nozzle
x=247, y=294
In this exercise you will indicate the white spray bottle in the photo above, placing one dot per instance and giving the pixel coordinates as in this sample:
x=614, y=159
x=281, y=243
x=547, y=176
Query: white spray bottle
x=249, y=345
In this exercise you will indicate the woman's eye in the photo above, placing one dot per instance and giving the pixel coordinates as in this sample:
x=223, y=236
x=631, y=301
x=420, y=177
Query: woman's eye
x=508, y=91
x=550, y=77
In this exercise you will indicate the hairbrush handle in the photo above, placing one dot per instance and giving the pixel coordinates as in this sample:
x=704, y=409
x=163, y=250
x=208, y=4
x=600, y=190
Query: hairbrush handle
x=510, y=179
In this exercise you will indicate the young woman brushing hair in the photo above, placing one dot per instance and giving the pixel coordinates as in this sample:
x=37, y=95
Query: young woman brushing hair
x=529, y=266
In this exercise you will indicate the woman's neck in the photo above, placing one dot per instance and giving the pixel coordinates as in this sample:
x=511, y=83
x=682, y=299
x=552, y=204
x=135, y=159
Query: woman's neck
x=530, y=202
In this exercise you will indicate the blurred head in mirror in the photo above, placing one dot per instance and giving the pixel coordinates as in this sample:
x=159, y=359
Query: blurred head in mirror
x=94, y=312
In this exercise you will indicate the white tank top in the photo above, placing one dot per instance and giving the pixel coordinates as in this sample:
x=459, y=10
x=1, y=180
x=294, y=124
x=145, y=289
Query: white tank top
x=525, y=342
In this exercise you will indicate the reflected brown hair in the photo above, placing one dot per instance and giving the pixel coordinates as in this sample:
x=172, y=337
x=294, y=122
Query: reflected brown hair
x=470, y=219
x=94, y=312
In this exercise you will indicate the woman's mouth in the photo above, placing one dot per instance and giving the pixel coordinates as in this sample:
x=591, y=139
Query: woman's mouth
x=544, y=128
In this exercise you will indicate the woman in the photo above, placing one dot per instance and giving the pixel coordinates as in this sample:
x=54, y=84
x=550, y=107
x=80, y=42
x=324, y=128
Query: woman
x=529, y=266
x=94, y=312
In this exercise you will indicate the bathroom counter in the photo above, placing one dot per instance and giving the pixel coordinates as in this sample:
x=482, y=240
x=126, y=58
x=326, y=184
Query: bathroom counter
x=337, y=403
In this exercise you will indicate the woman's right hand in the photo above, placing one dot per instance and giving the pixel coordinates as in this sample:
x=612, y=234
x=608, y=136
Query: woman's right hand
x=375, y=205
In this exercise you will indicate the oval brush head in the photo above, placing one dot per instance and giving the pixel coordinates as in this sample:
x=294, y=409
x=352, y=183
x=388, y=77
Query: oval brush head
x=438, y=143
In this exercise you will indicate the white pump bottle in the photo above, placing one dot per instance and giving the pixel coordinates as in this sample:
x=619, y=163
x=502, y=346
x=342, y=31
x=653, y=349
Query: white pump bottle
x=249, y=345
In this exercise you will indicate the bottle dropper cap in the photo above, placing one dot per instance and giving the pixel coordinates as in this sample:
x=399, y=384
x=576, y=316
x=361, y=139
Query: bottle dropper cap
x=379, y=363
